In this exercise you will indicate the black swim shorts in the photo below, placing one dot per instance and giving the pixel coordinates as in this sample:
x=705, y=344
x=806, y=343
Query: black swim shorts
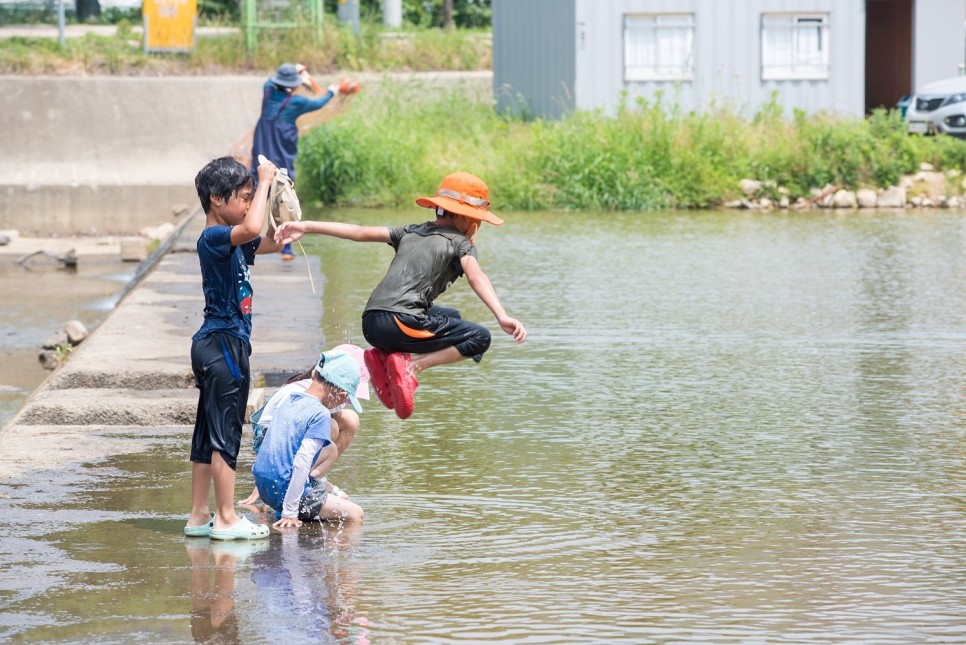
x=220, y=365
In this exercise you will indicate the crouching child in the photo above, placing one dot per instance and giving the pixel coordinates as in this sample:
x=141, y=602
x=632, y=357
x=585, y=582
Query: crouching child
x=298, y=452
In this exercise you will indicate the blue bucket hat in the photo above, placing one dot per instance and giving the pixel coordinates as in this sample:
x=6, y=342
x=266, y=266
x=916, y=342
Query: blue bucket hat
x=342, y=371
x=287, y=76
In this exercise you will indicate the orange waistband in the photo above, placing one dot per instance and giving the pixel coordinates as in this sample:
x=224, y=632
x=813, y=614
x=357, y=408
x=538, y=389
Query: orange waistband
x=412, y=333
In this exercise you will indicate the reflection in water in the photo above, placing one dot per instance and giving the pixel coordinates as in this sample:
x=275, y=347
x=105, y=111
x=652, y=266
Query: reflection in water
x=299, y=586
x=213, y=618
x=305, y=587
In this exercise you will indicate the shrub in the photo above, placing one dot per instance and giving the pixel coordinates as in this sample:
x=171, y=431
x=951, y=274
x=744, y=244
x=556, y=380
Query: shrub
x=648, y=156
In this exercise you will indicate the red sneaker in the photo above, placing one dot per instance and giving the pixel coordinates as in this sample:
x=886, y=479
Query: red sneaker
x=376, y=364
x=402, y=384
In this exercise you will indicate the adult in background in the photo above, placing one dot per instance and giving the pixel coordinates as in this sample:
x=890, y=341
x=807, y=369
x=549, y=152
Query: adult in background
x=276, y=135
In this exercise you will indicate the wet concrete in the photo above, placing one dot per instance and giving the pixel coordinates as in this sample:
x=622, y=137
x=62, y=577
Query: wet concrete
x=134, y=371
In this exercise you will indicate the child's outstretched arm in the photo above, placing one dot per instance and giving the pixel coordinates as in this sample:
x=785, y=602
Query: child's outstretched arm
x=483, y=288
x=251, y=226
x=291, y=231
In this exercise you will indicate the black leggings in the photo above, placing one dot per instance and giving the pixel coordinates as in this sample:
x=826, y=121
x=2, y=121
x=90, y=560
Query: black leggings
x=439, y=328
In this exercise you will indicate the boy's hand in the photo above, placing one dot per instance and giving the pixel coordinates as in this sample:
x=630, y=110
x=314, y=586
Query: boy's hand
x=288, y=232
x=266, y=170
x=288, y=523
x=513, y=327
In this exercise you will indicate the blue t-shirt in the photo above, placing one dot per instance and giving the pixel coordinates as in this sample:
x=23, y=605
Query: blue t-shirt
x=299, y=417
x=225, y=282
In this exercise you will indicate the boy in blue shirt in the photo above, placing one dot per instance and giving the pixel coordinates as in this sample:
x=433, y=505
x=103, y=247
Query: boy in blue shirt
x=298, y=452
x=234, y=212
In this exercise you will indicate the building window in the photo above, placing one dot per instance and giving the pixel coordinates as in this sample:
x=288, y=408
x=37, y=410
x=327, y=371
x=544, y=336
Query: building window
x=794, y=47
x=659, y=47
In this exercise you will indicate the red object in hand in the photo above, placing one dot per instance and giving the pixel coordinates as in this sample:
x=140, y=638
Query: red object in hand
x=349, y=86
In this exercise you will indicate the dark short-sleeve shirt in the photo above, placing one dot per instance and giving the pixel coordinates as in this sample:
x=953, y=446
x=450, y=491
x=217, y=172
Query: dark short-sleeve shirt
x=426, y=263
x=225, y=282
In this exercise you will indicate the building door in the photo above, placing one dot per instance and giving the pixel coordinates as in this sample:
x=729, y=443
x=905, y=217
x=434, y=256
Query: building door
x=888, y=52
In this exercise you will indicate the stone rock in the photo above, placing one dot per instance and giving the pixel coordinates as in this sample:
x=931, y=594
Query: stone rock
x=134, y=249
x=765, y=203
x=928, y=167
x=954, y=202
x=59, y=339
x=48, y=359
x=749, y=186
x=844, y=199
x=927, y=203
x=4, y=240
x=906, y=182
x=929, y=184
x=916, y=201
x=158, y=232
x=736, y=203
x=783, y=202
x=866, y=198
x=892, y=197
x=76, y=332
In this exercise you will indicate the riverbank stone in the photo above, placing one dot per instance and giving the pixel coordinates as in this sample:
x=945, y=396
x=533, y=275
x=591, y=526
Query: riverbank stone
x=892, y=197
x=866, y=198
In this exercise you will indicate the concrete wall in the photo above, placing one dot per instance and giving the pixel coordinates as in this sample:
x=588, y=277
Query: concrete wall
x=116, y=154
x=112, y=153
x=937, y=40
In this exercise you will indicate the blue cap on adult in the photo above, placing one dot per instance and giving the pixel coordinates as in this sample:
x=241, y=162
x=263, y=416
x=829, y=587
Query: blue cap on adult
x=287, y=75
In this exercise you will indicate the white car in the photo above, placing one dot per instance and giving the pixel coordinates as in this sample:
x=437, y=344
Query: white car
x=939, y=107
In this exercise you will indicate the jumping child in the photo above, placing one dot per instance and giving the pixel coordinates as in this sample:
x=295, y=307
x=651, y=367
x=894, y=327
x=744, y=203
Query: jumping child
x=407, y=331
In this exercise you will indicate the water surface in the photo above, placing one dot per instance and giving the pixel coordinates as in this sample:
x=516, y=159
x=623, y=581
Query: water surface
x=39, y=297
x=724, y=427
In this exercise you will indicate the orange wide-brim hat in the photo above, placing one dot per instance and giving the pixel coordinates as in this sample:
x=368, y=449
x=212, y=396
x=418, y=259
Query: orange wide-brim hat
x=463, y=194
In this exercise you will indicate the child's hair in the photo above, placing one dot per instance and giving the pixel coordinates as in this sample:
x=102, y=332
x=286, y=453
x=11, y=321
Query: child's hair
x=300, y=377
x=223, y=177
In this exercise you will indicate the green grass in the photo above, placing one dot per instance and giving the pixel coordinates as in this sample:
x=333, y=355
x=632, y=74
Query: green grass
x=416, y=49
x=389, y=148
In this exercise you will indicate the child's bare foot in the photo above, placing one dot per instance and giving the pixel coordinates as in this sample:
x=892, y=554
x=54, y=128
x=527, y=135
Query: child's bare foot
x=251, y=499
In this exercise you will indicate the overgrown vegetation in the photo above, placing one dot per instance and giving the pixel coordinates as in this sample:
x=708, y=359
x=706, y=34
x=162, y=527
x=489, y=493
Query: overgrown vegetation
x=387, y=150
x=418, y=49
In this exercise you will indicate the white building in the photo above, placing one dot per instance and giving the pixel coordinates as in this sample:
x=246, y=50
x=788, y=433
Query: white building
x=842, y=56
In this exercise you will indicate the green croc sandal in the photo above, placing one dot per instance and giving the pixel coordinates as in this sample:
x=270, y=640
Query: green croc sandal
x=243, y=530
x=200, y=530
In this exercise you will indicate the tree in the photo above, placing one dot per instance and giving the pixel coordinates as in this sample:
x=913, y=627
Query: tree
x=447, y=14
x=430, y=13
